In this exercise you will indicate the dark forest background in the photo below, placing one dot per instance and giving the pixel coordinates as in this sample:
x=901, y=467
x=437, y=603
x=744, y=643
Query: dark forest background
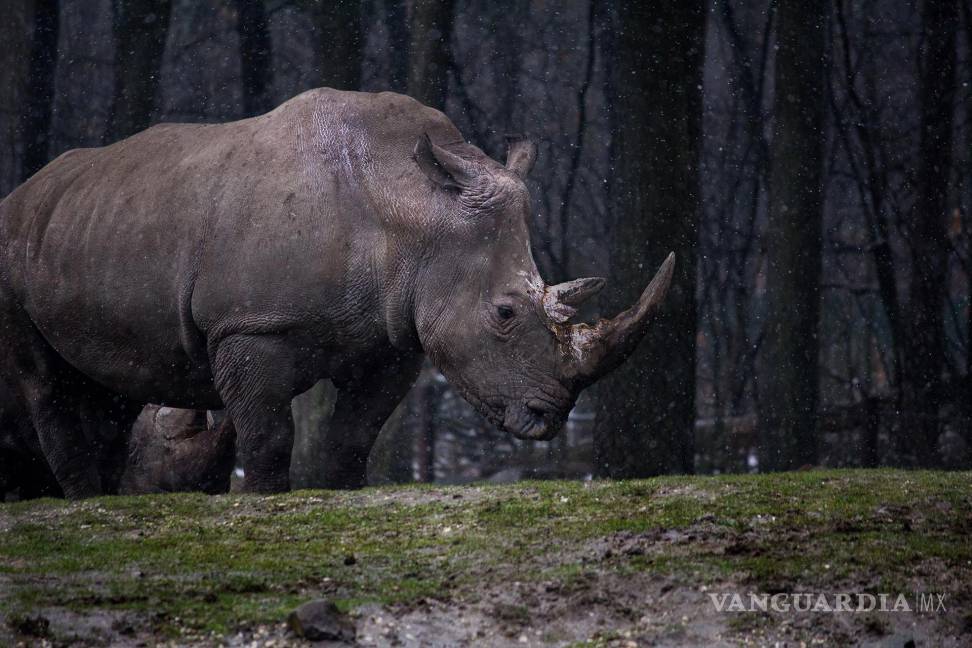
x=810, y=163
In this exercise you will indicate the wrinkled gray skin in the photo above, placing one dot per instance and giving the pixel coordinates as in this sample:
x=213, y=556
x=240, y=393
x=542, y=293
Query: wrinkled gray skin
x=172, y=450
x=233, y=265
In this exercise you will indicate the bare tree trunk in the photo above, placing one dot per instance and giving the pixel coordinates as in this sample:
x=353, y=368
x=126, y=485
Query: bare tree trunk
x=15, y=33
x=140, y=28
x=253, y=28
x=789, y=361
x=426, y=395
x=339, y=43
x=396, y=22
x=390, y=461
x=36, y=117
x=869, y=433
x=646, y=409
x=430, y=51
x=967, y=226
x=408, y=441
x=926, y=331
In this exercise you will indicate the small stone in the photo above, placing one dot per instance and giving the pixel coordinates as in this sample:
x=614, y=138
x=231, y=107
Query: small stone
x=893, y=641
x=320, y=620
x=32, y=626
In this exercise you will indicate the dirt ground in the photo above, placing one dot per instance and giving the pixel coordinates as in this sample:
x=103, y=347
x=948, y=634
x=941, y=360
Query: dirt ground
x=532, y=564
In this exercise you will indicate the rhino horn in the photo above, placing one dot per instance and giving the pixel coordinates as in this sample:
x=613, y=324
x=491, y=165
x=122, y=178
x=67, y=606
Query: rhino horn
x=596, y=350
x=521, y=153
x=443, y=167
x=560, y=302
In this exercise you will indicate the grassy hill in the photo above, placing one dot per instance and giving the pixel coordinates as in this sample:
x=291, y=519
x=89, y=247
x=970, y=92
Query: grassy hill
x=568, y=563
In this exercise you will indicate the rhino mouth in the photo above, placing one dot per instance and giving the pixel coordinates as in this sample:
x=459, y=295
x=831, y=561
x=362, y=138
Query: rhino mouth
x=531, y=421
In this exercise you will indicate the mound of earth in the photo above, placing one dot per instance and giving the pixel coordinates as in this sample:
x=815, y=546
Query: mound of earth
x=530, y=564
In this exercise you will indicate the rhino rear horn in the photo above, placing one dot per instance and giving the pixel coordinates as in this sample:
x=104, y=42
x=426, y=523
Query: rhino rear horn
x=521, y=153
x=442, y=167
x=560, y=302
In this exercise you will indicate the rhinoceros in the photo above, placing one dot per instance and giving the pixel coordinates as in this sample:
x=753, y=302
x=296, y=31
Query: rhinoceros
x=341, y=235
x=174, y=450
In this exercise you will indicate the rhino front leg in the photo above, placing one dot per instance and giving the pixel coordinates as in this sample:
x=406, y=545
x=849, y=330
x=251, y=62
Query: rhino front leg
x=255, y=376
x=361, y=409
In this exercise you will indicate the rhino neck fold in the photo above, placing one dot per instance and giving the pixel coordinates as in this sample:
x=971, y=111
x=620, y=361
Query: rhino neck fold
x=398, y=303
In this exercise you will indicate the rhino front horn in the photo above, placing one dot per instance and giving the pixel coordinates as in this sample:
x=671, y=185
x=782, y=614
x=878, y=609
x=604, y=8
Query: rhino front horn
x=600, y=348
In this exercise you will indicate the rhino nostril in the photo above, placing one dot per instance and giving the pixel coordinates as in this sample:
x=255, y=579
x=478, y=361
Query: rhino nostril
x=536, y=412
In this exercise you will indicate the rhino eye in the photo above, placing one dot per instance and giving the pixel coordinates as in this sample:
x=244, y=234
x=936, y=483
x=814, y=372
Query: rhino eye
x=505, y=312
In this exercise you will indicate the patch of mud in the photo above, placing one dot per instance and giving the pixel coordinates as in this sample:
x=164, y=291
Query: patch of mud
x=609, y=608
x=56, y=626
x=614, y=609
x=634, y=610
x=697, y=538
x=598, y=603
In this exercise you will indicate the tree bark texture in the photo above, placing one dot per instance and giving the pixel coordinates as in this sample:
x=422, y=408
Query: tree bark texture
x=646, y=408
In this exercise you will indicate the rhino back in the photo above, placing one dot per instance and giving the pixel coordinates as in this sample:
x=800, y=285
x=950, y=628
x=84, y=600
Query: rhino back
x=131, y=258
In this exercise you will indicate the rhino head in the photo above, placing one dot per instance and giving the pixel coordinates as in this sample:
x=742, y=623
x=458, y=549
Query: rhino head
x=484, y=315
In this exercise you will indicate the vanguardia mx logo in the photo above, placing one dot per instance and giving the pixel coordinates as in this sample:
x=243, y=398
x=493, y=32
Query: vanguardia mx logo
x=853, y=602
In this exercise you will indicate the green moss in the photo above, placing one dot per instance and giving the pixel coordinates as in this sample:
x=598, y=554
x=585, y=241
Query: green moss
x=214, y=564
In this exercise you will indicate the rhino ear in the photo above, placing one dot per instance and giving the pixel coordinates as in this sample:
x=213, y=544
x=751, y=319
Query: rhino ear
x=442, y=167
x=521, y=153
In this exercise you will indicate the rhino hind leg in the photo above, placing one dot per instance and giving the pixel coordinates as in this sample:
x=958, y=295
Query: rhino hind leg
x=112, y=418
x=256, y=377
x=27, y=476
x=51, y=392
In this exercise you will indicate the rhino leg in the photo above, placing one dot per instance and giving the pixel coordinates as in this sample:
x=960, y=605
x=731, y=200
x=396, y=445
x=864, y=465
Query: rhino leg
x=113, y=419
x=361, y=409
x=256, y=378
x=69, y=452
x=51, y=392
x=27, y=475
